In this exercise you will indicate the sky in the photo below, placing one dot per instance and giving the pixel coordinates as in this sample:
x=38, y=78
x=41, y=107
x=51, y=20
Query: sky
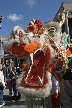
x=20, y=12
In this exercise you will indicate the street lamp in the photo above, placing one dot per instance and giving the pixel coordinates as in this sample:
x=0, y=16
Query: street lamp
x=1, y=17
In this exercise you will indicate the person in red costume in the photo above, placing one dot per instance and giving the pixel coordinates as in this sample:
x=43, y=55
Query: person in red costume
x=53, y=30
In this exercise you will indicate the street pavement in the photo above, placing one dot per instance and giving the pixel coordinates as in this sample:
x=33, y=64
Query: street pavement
x=20, y=104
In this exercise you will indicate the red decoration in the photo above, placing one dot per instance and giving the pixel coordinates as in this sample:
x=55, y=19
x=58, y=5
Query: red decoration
x=33, y=46
x=38, y=22
x=36, y=70
x=36, y=28
x=22, y=50
x=39, y=27
x=31, y=27
x=68, y=52
x=17, y=50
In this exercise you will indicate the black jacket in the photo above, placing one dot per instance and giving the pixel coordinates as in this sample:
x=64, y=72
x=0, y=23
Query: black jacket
x=13, y=78
x=68, y=74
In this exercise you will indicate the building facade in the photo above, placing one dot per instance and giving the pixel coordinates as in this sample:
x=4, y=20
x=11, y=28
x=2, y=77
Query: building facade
x=67, y=26
x=4, y=55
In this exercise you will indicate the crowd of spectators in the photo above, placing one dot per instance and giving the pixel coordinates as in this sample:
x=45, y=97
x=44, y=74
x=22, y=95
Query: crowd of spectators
x=8, y=76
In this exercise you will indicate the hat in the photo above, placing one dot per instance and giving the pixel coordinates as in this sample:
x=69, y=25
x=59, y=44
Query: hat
x=54, y=25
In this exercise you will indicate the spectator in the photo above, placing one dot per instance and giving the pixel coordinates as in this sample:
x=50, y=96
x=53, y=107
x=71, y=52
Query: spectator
x=4, y=71
x=2, y=86
x=9, y=85
x=19, y=70
x=7, y=66
x=13, y=76
x=11, y=64
x=7, y=63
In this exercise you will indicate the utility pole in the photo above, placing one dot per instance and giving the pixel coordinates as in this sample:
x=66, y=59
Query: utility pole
x=1, y=17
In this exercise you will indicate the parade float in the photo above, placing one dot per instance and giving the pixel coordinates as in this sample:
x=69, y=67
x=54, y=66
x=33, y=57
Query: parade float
x=41, y=51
